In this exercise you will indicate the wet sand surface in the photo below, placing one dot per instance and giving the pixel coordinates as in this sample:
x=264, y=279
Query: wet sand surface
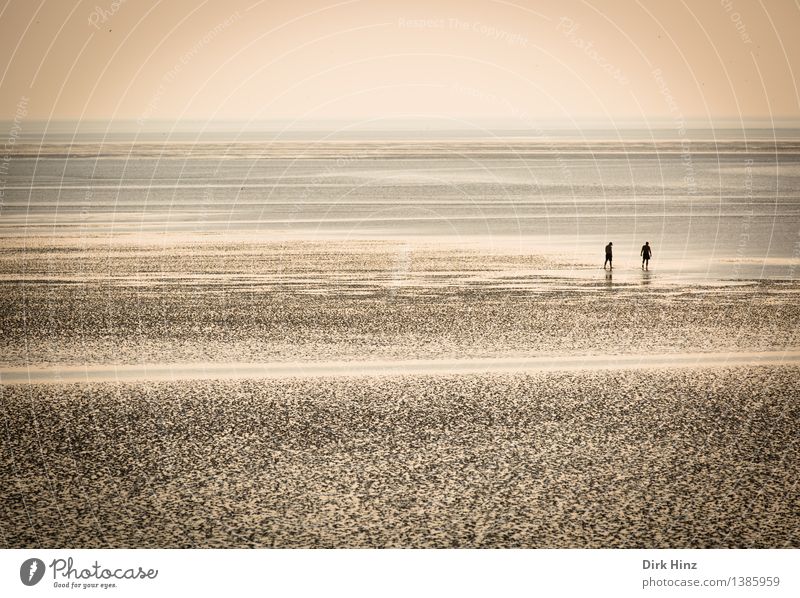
x=356, y=300
x=666, y=416
x=318, y=369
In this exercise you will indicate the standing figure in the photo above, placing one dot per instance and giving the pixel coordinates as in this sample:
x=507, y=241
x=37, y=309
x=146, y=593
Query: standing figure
x=646, y=253
x=609, y=257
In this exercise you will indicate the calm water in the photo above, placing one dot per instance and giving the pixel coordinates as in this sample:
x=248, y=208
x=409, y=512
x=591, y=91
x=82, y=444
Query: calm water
x=727, y=206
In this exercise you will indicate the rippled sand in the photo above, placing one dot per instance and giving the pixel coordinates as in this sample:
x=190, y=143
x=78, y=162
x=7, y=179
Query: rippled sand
x=685, y=458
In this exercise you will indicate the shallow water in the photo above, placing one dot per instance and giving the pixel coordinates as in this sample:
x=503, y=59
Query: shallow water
x=327, y=369
x=719, y=208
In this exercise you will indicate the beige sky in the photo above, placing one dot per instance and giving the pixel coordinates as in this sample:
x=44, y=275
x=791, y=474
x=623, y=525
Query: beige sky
x=524, y=62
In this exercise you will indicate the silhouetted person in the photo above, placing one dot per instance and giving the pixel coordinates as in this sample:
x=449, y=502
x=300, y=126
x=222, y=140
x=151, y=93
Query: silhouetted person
x=609, y=257
x=646, y=253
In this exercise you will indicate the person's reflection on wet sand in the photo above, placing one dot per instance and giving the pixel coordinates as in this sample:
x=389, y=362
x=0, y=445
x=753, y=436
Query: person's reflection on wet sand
x=609, y=279
x=646, y=278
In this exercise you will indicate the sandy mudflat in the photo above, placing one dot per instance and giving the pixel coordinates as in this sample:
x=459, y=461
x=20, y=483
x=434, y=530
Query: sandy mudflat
x=333, y=301
x=609, y=458
x=215, y=394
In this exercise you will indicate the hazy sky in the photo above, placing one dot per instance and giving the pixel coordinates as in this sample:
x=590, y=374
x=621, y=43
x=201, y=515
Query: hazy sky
x=525, y=62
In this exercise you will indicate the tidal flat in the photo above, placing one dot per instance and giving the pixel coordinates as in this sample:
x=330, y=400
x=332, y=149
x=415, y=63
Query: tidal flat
x=641, y=409
x=297, y=301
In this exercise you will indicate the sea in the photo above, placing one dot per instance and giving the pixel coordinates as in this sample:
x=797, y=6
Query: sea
x=721, y=204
